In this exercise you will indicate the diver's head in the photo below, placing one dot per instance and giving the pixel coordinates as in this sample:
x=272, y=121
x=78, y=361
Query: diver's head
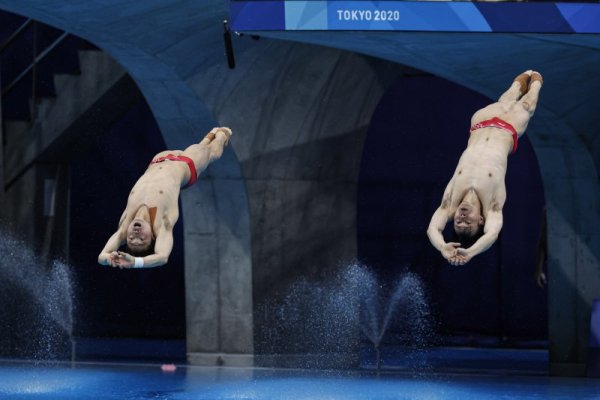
x=140, y=240
x=468, y=219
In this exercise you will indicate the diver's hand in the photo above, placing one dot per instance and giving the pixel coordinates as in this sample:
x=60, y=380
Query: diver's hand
x=112, y=258
x=456, y=260
x=449, y=250
x=462, y=257
x=122, y=260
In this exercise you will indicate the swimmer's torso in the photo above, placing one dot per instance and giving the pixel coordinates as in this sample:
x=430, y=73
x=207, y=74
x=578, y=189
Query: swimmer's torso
x=482, y=167
x=159, y=187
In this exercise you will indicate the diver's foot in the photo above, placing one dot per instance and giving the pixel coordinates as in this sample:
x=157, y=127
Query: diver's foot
x=226, y=132
x=523, y=80
x=210, y=136
x=535, y=76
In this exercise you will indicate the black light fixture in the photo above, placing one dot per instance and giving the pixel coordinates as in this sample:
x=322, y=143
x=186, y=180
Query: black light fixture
x=228, y=45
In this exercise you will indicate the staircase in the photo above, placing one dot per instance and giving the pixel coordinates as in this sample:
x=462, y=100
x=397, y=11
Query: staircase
x=80, y=106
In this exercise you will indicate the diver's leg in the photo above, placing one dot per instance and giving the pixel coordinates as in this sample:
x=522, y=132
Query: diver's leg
x=521, y=112
x=209, y=148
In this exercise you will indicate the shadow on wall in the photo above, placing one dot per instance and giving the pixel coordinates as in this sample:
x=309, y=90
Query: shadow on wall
x=416, y=137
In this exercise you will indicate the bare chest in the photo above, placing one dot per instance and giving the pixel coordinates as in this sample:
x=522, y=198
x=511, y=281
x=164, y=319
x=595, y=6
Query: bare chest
x=484, y=174
x=156, y=190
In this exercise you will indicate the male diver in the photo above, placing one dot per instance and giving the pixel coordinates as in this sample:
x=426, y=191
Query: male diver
x=475, y=195
x=146, y=226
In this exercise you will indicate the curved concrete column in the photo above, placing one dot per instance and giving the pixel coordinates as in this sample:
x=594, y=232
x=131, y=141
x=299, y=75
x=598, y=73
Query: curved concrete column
x=215, y=212
x=302, y=113
x=572, y=195
x=302, y=116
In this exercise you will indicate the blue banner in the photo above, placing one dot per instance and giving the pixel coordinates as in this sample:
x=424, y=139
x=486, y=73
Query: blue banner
x=430, y=16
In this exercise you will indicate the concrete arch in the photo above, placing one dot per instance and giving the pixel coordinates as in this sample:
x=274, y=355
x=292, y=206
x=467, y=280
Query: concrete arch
x=215, y=212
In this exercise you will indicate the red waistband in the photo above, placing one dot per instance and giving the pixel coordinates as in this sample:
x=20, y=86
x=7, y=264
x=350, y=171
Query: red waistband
x=187, y=160
x=498, y=123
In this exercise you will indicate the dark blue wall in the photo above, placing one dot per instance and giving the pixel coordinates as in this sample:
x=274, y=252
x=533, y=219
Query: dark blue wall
x=111, y=302
x=416, y=137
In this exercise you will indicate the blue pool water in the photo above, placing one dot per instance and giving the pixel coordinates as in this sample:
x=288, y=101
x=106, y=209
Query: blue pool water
x=116, y=381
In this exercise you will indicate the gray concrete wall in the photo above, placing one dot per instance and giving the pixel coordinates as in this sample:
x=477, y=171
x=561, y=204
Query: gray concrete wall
x=18, y=208
x=572, y=195
x=35, y=209
x=218, y=269
x=299, y=114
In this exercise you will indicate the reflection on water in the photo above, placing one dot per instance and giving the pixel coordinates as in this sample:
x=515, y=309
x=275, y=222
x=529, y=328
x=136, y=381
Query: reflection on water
x=102, y=381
